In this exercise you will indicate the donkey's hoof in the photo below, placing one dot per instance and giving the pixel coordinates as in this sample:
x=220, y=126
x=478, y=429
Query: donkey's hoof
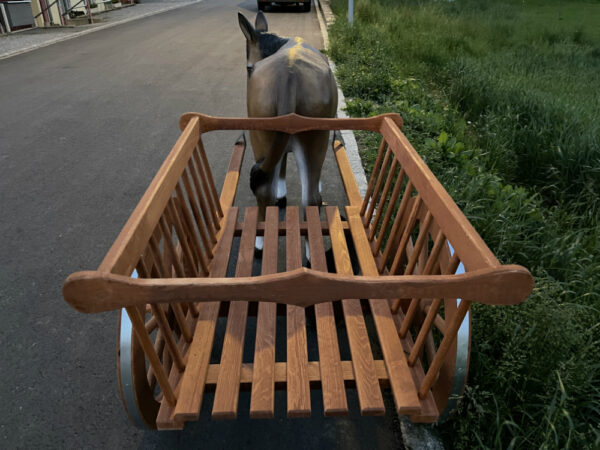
x=281, y=202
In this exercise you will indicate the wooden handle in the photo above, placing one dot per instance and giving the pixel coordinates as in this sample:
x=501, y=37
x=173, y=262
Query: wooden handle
x=290, y=123
x=95, y=291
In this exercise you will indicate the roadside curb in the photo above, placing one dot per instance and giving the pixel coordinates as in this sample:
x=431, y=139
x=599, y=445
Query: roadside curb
x=93, y=30
x=326, y=17
x=414, y=436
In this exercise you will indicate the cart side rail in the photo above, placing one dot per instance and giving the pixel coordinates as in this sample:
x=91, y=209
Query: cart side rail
x=181, y=198
x=445, y=214
x=289, y=123
x=94, y=291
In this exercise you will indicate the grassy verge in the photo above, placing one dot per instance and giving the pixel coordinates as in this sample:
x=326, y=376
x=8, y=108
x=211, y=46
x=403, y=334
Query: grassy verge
x=502, y=100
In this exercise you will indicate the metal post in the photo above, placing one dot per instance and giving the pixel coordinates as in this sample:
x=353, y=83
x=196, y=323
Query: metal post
x=5, y=18
x=350, y=12
x=60, y=13
x=90, y=18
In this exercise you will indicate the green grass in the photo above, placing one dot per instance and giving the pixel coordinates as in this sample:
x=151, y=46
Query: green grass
x=502, y=100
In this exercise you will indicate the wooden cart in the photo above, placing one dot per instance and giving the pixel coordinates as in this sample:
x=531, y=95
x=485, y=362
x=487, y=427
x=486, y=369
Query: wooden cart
x=392, y=314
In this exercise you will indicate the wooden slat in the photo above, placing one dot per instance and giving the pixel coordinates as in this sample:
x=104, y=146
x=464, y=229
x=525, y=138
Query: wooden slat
x=164, y=420
x=369, y=393
x=232, y=176
x=332, y=380
x=403, y=388
x=262, y=401
x=348, y=179
x=314, y=373
x=298, y=390
x=429, y=410
x=194, y=378
x=228, y=385
x=260, y=228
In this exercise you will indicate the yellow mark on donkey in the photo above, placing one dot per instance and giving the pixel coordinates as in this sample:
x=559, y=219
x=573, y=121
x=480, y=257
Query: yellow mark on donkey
x=293, y=52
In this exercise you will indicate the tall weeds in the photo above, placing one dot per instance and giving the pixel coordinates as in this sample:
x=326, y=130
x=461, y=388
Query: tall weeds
x=503, y=106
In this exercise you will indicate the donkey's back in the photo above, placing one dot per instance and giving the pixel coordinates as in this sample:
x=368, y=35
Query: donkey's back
x=295, y=79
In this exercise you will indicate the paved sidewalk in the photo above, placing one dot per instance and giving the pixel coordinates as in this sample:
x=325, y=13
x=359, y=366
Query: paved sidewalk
x=25, y=41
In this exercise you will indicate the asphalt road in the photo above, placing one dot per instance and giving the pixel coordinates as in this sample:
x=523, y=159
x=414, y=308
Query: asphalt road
x=84, y=125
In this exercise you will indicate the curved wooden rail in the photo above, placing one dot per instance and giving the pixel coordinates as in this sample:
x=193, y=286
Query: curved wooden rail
x=95, y=291
x=290, y=123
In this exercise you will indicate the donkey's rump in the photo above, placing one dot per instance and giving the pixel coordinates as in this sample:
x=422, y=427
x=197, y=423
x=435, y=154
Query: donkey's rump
x=295, y=79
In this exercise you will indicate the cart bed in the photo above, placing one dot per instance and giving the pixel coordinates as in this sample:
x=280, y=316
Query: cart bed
x=386, y=304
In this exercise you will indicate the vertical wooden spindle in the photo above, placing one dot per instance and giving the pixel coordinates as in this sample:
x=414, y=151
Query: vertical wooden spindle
x=376, y=198
x=140, y=330
x=395, y=232
x=374, y=174
x=430, y=318
x=401, y=250
x=384, y=196
x=440, y=356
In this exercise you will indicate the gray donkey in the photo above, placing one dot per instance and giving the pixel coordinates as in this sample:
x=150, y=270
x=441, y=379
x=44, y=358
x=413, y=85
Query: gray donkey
x=285, y=75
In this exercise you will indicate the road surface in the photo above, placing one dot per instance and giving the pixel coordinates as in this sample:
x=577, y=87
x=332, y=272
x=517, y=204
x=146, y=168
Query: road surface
x=84, y=125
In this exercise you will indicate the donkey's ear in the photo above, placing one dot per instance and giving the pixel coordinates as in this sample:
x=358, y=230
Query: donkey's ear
x=261, y=22
x=247, y=28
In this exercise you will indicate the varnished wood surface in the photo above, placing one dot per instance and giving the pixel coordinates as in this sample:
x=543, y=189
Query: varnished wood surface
x=471, y=249
x=194, y=378
x=97, y=291
x=350, y=186
x=332, y=380
x=226, y=395
x=403, y=388
x=290, y=123
x=298, y=389
x=124, y=253
x=233, y=174
x=181, y=243
x=369, y=394
x=262, y=401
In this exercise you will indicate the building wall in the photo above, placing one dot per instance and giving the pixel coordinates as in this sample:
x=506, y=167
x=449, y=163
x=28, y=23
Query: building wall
x=53, y=12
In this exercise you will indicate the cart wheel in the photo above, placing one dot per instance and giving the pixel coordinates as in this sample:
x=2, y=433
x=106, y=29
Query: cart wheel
x=136, y=393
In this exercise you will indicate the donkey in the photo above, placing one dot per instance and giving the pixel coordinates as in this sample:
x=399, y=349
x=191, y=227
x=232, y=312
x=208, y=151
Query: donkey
x=285, y=75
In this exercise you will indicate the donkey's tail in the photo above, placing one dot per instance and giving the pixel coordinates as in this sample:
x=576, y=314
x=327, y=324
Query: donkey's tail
x=286, y=104
x=286, y=94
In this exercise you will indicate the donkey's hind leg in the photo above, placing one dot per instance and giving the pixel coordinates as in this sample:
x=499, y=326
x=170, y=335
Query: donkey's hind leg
x=269, y=150
x=281, y=189
x=310, y=154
